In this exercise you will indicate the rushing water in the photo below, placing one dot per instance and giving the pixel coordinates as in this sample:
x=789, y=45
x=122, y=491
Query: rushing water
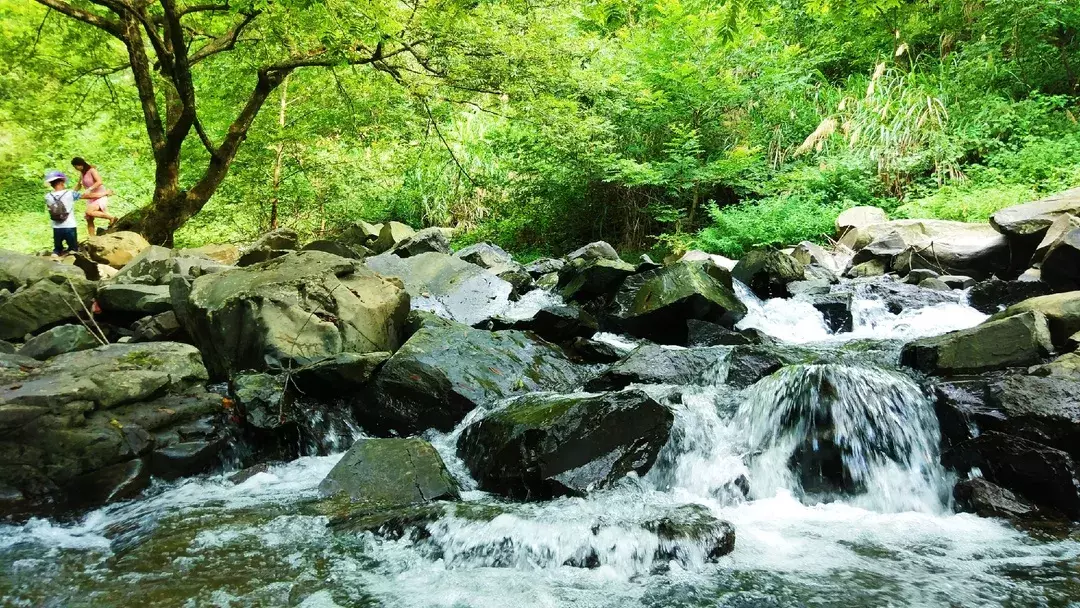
x=829, y=473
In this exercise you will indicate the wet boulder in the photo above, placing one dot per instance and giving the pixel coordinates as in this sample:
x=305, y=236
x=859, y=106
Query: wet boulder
x=1035, y=472
x=552, y=321
x=703, y=333
x=657, y=304
x=1062, y=312
x=271, y=245
x=1040, y=408
x=1061, y=267
x=289, y=312
x=975, y=250
x=746, y=365
x=445, y=371
x=447, y=286
x=994, y=295
x=588, y=278
x=59, y=340
x=380, y=474
x=140, y=299
x=487, y=255
x=390, y=234
x=114, y=249
x=52, y=300
x=64, y=423
x=652, y=364
x=1017, y=341
x=767, y=273
x=542, y=445
x=19, y=270
x=835, y=309
x=692, y=526
x=543, y=266
x=264, y=400
x=1057, y=232
x=339, y=375
x=597, y=351
x=979, y=496
x=424, y=241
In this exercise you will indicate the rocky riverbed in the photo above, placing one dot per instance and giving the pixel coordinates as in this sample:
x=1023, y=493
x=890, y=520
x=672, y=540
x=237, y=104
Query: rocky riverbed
x=376, y=419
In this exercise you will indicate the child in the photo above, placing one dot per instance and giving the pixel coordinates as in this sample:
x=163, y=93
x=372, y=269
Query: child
x=60, y=203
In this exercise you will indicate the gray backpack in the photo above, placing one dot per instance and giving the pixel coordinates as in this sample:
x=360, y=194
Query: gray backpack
x=57, y=211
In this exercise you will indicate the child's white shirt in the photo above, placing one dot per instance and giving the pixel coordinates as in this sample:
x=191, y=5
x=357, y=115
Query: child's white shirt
x=68, y=198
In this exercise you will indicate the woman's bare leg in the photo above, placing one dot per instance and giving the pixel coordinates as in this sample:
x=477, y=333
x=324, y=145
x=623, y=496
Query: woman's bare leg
x=95, y=213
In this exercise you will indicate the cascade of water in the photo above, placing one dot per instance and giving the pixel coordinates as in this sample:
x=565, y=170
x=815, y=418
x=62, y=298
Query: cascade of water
x=828, y=430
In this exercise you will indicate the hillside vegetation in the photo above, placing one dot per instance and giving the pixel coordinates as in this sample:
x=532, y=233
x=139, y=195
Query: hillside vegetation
x=658, y=126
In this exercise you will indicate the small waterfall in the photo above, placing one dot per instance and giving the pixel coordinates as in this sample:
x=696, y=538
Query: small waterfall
x=827, y=431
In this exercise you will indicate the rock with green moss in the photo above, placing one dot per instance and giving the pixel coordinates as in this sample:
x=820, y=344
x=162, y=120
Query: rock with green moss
x=19, y=270
x=689, y=529
x=546, y=445
x=72, y=426
x=593, y=278
x=1016, y=341
x=767, y=273
x=141, y=299
x=445, y=371
x=657, y=304
x=1062, y=311
x=447, y=286
x=381, y=474
x=49, y=301
x=59, y=340
x=289, y=312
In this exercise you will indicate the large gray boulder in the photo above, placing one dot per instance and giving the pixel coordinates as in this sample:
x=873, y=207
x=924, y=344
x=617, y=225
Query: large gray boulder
x=91, y=426
x=424, y=241
x=543, y=445
x=974, y=250
x=858, y=218
x=52, y=300
x=380, y=474
x=1061, y=266
x=114, y=249
x=598, y=250
x=290, y=311
x=657, y=304
x=490, y=256
x=447, y=286
x=652, y=364
x=1030, y=221
x=156, y=265
x=134, y=298
x=1062, y=226
x=767, y=273
x=59, y=340
x=18, y=270
x=593, y=277
x=446, y=370
x=1062, y=312
x=1016, y=341
x=390, y=234
x=995, y=295
x=271, y=245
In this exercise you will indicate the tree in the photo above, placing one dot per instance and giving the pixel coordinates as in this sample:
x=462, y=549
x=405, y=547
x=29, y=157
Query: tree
x=165, y=40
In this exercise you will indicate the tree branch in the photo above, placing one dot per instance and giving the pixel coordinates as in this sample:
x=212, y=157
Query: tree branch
x=102, y=23
x=225, y=42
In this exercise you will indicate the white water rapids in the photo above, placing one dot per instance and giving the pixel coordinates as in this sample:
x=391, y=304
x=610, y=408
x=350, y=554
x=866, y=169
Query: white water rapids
x=889, y=539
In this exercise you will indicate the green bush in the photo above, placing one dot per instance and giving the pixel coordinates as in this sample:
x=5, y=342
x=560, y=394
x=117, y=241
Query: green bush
x=775, y=221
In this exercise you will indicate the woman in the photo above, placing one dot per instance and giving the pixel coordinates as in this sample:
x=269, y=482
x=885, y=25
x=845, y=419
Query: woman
x=91, y=181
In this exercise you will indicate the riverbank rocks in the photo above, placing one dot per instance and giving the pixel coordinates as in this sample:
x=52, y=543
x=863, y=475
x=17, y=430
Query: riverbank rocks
x=424, y=241
x=88, y=427
x=141, y=299
x=857, y=218
x=957, y=248
x=114, y=249
x=588, y=278
x=445, y=370
x=59, y=340
x=271, y=245
x=543, y=446
x=994, y=295
x=1030, y=221
x=390, y=234
x=985, y=499
x=1061, y=266
x=156, y=265
x=767, y=273
x=293, y=310
x=354, y=252
x=1016, y=341
x=652, y=364
x=1057, y=231
x=692, y=525
x=19, y=270
x=1038, y=473
x=553, y=321
x=447, y=286
x=380, y=474
x=1062, y=312
x=223, y=253
x=52, y=300
x=657, y=304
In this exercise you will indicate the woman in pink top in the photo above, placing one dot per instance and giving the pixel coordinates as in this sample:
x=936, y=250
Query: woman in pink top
x=91, y=181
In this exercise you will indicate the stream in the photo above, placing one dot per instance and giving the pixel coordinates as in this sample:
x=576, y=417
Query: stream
x=882, y=532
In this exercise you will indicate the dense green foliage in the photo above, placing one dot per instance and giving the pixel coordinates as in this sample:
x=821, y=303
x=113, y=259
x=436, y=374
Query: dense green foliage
x=663, y=125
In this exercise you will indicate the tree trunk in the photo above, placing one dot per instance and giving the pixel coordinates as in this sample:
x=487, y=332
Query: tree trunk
x=280, y=152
